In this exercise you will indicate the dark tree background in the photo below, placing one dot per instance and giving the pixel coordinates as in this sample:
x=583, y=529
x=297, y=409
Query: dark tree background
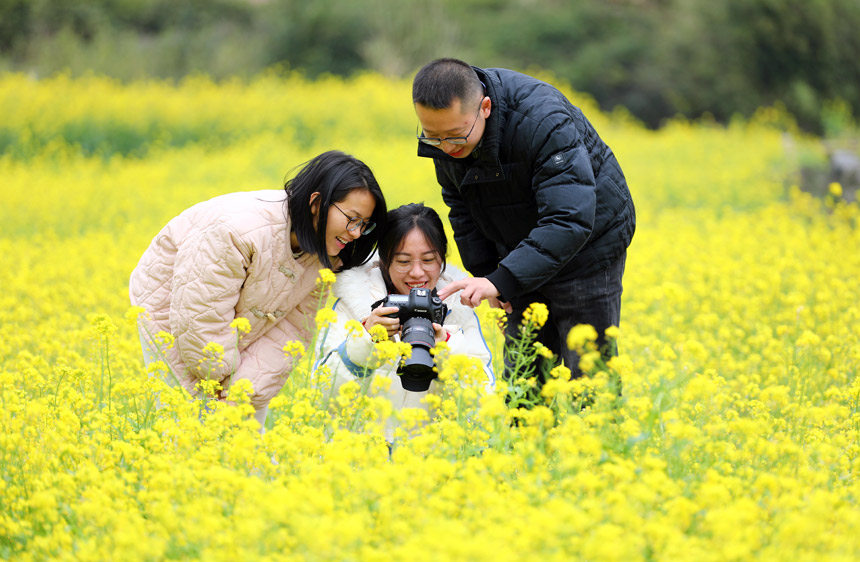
x=657, y=58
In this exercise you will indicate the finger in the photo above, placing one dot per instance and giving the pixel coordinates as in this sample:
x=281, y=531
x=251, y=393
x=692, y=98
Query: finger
x=466, y=298
x=475, y=298
x=451, y=288
x=439, y=332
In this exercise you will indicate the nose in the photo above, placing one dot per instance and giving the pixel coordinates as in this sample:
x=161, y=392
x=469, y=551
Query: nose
x=416, y=270
x=448, y=148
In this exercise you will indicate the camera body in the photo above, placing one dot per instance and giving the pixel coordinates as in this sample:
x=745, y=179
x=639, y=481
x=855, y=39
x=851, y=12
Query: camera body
x=417, y=312
x=420, y=303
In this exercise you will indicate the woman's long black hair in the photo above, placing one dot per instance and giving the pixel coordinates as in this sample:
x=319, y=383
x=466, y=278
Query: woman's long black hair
x=401, y=221
x=334, y=175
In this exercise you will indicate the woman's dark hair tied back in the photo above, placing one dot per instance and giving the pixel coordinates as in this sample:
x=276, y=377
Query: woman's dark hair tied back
x=401, y=221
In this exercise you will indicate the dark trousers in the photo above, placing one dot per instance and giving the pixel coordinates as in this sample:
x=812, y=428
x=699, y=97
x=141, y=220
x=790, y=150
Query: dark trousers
x=594, y=300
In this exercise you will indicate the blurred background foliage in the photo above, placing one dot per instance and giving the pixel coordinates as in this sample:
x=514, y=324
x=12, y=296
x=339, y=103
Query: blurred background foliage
x=657, y=58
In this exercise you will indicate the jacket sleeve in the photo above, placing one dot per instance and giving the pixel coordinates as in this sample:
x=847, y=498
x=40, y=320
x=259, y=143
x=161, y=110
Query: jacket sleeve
x=469, y=340
x=265, y=364
x=344, y=353
x=208, y=276
x=479, y=255
x=564, y=188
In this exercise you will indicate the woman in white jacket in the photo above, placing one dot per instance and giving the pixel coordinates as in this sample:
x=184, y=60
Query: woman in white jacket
x=254, y=255
x=412, y=253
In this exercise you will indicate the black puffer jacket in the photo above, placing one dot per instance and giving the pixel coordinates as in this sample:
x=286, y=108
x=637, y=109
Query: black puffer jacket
x=544, y=198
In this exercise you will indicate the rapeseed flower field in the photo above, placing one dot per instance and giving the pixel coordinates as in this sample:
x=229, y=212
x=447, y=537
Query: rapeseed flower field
x=737, y=435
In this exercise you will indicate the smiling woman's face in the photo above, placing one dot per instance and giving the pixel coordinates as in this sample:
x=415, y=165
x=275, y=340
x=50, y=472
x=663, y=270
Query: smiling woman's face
x=415, y=264
x=358, y=204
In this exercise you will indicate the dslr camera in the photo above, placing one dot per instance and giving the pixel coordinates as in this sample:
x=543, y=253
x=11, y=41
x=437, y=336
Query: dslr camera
x=417, y=312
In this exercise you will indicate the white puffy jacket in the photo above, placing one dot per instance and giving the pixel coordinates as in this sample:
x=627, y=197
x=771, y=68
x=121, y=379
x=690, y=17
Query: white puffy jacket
x=356, y=290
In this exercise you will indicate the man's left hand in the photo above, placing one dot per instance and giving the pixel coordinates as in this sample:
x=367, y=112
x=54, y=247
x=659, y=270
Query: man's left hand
x=475, y=289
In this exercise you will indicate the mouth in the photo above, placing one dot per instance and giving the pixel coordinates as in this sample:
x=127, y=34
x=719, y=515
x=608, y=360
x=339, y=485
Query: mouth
x=421, y=285
x=341, y=242
x=457, y=153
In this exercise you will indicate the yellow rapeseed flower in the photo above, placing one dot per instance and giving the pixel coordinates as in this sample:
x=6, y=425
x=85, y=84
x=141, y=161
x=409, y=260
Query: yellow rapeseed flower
x=354, y=327
x=294, y=348
x=164, y=340
x=560, y=372
x=536, y=314
x=325, y=317
x=542, y=350
x=240, y=391
x=378, y=333
x=213, y=350
x=555, y=387
x=208, y=387
x=588, y=361
x=133, y=314
x=735, y=436
x=579, y=335
x=326, y=277
x=241, y=325
x=101, y=324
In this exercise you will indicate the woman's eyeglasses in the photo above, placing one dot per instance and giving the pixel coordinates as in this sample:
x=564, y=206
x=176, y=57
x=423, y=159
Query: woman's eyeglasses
x=353, y=223
x=405, y=266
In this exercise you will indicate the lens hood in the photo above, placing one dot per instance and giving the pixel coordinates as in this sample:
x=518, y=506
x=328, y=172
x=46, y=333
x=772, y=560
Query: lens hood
x=417, y=373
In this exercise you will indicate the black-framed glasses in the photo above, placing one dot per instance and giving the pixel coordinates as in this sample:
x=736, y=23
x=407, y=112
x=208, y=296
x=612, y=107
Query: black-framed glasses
x=353, y=223
x=436, y=141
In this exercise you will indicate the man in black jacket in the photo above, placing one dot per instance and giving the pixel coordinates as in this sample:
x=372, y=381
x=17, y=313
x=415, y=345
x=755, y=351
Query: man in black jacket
x=540, y=208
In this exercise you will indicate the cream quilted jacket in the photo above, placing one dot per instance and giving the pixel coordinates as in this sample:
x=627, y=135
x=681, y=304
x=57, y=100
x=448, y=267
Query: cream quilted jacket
x=221, y=259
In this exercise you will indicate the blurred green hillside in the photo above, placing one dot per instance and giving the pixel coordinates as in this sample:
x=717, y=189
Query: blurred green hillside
x=657, y=58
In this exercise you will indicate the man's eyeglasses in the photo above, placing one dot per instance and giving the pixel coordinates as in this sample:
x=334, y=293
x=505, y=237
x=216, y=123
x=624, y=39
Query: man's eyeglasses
x=405, y=266
x=436, y=141
x=353, y=223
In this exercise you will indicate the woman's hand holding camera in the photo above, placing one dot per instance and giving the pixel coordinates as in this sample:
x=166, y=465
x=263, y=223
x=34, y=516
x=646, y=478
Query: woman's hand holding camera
x=379, y=316
x=441, y=333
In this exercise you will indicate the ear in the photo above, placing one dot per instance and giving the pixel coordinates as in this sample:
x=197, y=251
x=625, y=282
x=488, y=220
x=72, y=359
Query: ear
x=315, y=202
x=486, y=106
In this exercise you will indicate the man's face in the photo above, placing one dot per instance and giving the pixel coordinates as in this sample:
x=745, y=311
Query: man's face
x=458, y=120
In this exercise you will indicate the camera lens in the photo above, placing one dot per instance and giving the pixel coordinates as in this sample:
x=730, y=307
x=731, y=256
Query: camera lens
x=417, y=372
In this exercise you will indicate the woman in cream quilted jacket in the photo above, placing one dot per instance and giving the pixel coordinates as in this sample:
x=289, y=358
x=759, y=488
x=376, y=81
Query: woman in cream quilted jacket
x=254, y=255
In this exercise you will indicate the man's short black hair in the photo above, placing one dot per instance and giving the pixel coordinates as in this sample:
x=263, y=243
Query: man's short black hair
x=441, y=81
